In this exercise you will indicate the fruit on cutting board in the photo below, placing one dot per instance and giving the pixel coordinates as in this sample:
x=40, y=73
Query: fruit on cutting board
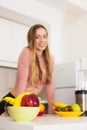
x=42, y=109
x=30, y=100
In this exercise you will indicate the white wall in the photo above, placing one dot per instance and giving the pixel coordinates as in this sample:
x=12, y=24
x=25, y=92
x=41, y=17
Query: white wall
x=74, y=40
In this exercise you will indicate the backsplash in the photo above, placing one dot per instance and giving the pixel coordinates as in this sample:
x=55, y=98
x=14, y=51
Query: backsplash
x=7, y=79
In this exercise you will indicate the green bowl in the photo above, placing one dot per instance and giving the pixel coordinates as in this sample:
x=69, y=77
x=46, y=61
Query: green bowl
x=23, y=113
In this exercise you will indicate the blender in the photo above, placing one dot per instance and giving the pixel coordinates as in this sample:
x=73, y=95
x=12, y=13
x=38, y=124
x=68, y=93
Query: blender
x=81, y=91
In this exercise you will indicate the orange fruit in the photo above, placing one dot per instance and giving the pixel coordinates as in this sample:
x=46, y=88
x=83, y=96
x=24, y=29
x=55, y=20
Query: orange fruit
x=42, y=109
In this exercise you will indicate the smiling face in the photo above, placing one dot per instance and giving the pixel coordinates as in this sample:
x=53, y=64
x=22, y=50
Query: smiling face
x=41, y=40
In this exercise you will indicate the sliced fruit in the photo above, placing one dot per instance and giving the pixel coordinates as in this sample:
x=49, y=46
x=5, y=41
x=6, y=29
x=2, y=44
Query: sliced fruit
x=67, y=108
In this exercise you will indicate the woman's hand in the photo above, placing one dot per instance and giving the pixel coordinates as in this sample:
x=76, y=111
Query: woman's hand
x=34, y=90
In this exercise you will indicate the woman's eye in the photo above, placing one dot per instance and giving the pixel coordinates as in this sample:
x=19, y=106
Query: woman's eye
x=45, y=36
x=36, y=37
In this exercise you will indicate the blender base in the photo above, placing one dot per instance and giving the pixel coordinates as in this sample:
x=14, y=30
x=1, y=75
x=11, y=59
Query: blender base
x=84, y=114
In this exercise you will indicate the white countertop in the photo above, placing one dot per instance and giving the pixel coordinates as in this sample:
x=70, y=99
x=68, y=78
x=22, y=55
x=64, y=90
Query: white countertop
x=45, y=122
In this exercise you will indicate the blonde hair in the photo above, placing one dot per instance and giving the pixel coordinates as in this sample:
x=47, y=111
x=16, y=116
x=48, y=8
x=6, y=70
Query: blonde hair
x=36, y=73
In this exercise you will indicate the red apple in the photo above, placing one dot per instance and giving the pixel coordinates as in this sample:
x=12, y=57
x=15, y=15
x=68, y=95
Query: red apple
x=30, y=100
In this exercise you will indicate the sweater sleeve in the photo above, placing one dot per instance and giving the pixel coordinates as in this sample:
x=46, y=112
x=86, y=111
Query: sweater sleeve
x=50, y=90
x=22, y=71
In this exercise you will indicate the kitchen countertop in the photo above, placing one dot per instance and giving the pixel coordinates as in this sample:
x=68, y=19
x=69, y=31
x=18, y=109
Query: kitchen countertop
x=45, y=122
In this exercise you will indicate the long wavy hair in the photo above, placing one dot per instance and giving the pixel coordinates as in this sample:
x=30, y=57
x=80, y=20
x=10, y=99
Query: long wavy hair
x=36, y=72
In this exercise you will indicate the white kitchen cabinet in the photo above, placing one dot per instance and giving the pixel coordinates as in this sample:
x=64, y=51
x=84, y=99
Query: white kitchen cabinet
x=12, y=40
x=5, y=33
x=13, y=35
x=7, y=80
x=18, y=40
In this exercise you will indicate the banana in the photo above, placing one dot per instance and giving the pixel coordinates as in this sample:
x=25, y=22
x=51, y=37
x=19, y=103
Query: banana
x=15, y=101
x=9, y=100
x=59, y=104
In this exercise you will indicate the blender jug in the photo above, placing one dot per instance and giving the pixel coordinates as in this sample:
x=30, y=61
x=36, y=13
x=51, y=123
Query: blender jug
x=81, y=92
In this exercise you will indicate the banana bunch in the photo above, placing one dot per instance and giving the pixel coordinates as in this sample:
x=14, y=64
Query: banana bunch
x=58, y=105
x=15, y=101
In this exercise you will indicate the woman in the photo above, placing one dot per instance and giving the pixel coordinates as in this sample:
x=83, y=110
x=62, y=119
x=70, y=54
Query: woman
x=35, y=67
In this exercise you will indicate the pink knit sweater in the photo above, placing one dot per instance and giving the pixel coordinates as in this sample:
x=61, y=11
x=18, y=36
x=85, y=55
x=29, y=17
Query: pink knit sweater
x=23, y=76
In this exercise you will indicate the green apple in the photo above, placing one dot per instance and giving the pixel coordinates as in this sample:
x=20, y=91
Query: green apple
x=75, y=107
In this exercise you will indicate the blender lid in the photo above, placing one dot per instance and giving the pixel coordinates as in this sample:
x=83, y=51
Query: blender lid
x=81, y=92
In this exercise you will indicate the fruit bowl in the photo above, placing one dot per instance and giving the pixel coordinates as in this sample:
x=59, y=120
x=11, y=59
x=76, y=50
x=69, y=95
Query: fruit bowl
x=19, y=113
x=69, y=114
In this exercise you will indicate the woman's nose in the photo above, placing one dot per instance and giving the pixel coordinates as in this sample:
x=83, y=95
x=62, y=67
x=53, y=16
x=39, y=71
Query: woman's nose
x=41, y=38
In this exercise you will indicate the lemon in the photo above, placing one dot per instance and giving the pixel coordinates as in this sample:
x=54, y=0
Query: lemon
x=75, y=107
